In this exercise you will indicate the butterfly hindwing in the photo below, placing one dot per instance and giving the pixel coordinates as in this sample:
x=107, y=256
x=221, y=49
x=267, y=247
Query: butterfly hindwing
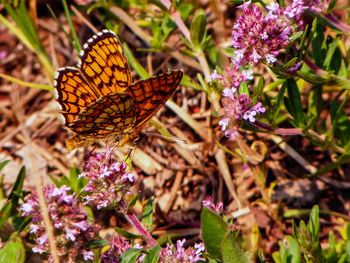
x=110, y=114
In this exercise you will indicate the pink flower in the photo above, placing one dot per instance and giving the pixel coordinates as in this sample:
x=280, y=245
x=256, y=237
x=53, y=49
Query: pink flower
x=180, y=254
x=108, y=181
x=215, y=75
x=258, y=36
x=69, y=220
x=118, y=245
x=208, y=203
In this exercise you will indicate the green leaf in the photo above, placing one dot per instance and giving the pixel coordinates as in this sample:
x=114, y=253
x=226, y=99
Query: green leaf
x=186, y=81
x=295, y=37
x=318, y=45
x=294, y=102
x=304, y=47
x=315, y=101
x=185, y=9
x=134, y=63
x=347, y=251
x=330, y=6
x=13, y=251
x=293, y=250
x=340, y=121
x=331, y=255
x=167, y=27
x=20, y=223
x=243, y=88
x=73, y=178
x=333, y=56
x=5, y=213
x=259, y=90
x=197, y=28
x=314, y=224
x=17, y=188
x=97, y=243
x=130, y=256
x=214, y=231
x=188, y=45
x=132, y=202
x=153, y=255
x=290, y=63
x=323, y=20
x=276, y=257
x=231, y=252
x=278, y=102
x=3, y=164
x=73, y=181
x=127, y=234
x=76, y=42
x=147, y=215
x=163, y=239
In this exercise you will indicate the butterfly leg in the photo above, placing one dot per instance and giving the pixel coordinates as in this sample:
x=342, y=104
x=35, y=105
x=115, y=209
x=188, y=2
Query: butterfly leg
x=130, y=154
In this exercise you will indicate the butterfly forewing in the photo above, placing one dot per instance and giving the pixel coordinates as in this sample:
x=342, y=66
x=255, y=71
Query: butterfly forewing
x=73, y=93
x=103, y=63
x=151, y=94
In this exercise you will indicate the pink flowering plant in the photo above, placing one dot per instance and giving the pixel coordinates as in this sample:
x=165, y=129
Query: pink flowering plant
x=72, y=227
x=278, y=37
x=104, y=184
x=278, y=68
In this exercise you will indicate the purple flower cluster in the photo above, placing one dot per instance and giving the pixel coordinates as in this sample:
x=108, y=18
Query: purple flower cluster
x=180, y=254
x=261, y=37
x=256, y=36
x=118, y=245
x=237, y=106
x=208, y=203
x=70, y=221
x=108, y=181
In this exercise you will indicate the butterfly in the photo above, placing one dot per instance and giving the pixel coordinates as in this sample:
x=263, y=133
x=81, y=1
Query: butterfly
x=98, y=100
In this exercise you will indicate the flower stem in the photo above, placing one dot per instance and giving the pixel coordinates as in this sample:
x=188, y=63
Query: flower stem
x=135, y=222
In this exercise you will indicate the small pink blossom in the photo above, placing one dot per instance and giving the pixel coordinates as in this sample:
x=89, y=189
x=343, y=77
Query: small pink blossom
x=88, y=255
x=224, y=123
x=230, y=93
x=208, y=203
x=231, y=133
x=118, y=245
x=215, y=75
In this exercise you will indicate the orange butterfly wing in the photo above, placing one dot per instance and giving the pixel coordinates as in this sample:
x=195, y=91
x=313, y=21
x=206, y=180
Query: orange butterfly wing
x=111, y=114
x=73, y=93
x=104, y=65
x=151, y=94
x=102, y=69
x=97, y=99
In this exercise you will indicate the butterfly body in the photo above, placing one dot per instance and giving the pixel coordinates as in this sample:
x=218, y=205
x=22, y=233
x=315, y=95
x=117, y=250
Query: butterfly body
x=98, y=101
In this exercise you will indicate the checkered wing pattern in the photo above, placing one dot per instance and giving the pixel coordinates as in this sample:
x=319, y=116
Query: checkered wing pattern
x=98, y=100
x=104, y=65
x=151, y=94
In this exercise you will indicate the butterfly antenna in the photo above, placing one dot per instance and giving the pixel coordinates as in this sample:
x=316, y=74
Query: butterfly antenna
x=167, y=138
